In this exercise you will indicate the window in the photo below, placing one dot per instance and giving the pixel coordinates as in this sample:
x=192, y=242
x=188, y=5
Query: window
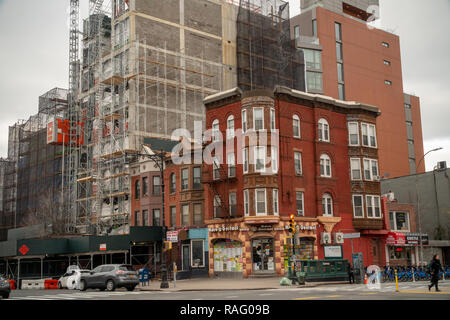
x=296, y=126
x=137, y=189
x=340, y=71
x=338, y=31
x=217, y=204
x=231, y=164
x=325, y=166
x=341, y=91
x=258, y=119
x=173, y=216
x=230, y=127
x=185, y=215
x=216, y=169
x=358, y=207
x=156, y=185
x=388, y=82
x=184, y=179
x=215, y=130
x=232, y=203
x=296, y=31
x=244, y=120
x=386, y=62
x=274, y=159
x=156, y=217
x=272, y=119
x=371, y=170
x=355, y=166
x=385, y=44
x=299, y=198
x=145, y=217
x=260, y=158
x=339, y=54
x=399, y=221
x=197, y=253
x=314, y=23
x=136, y=218
x=260, y=199
x=245, y=159
x=313, y=59
x=353, y=134
x=197, y=179
x=369, y=136
x=145, y=186
x=324, y=130
x=173, y=183
x=314, y=81
x=275, y=202
x=298, y=163
x=327, y=205
x=373, y=206
x=246, y=204
x=198, y=215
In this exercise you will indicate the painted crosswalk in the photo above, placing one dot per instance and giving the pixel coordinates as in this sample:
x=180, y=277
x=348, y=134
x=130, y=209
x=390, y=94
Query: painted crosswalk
x=78, y=295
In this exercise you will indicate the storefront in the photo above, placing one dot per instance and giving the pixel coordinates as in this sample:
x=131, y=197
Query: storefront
x=402, y=249
x=252, y=246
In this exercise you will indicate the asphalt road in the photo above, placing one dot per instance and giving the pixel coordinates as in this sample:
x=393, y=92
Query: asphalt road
x=408, y=291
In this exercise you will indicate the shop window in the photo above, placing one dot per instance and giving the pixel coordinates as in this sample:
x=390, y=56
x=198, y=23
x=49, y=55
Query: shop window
x=228, y=256
x=197, y=253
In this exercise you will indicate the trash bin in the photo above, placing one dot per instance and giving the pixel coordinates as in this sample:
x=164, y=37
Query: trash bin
x=301, y=277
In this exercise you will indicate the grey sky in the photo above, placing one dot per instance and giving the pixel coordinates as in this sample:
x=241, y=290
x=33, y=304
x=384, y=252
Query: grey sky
x=34, y=59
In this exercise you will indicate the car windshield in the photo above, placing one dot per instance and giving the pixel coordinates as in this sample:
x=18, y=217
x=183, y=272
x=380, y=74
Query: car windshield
x=126, y=268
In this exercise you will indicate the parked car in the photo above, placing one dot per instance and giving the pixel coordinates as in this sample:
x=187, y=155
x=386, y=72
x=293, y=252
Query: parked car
x=109, y=277
x=73, y=277
x=5, y=287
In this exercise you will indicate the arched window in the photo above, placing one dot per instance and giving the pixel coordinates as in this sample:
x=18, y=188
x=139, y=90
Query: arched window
x=324, y=130
x=296, y=126
x=230, y=127
x=215, y=130
x=325, y=166
x=173, y=183
x=327, y=205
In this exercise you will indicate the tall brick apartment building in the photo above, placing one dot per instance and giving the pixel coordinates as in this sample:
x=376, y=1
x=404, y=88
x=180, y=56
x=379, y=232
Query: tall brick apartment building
x=323, y=167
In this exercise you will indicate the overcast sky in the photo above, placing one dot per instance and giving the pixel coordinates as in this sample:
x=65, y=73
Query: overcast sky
x=34, y=59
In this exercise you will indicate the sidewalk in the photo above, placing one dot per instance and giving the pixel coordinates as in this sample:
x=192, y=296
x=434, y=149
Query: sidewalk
x=208, y=284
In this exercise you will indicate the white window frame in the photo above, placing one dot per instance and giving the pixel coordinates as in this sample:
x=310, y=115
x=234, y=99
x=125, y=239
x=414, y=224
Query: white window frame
x=203, y=250
x=274, y=159
x=276, y=203
x=372, y=205
x=327, y=197
x=245, y=163
x=182, y=214
x=229, y=202
x=231, y=163
x=246, y=203
x=215, y=128
x=372, y=176
x=230, y=127
x=352, y=168
x=244, y=121
x=272, y=119
x=256, y=154
x=300, y=161
x=256, y=202
x=254, y=118
x=302, y=210
x=355, y=124
x=362, y=206
x=394, y=227
x=323, y=127
x=367, y=126
x=294, y=119
x=214, y=162
x=323, y=162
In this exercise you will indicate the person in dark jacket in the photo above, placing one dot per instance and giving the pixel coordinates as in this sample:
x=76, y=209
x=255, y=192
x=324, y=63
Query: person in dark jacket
x=435, y=267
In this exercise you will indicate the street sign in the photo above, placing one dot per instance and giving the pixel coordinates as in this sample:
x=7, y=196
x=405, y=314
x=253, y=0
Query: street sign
x=352, y=235
x=172, y=236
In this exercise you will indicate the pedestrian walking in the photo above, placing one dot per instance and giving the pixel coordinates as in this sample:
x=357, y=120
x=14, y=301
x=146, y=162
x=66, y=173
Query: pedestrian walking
x=351, y=275
x=435, y=268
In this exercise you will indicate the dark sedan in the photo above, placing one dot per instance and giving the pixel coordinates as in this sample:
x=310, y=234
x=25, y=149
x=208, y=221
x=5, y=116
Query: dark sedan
x=5, y=288
x=110, y=277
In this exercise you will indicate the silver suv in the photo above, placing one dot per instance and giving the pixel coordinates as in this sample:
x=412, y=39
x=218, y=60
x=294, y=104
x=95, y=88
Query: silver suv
x=110, y=277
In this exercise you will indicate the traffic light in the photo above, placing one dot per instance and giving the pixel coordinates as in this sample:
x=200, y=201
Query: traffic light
x=292, y=224
x=167, y=245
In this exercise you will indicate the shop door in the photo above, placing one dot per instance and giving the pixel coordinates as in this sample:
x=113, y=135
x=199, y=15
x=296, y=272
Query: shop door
x=186, y=256
x=263, y=256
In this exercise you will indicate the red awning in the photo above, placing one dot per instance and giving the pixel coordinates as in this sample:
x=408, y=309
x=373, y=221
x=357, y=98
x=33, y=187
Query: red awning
x=395, y=239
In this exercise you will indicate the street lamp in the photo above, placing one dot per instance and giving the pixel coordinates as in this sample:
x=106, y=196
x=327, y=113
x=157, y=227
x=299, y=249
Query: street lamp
x=418, y=204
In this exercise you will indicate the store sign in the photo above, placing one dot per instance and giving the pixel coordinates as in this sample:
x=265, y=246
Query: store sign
x=172, y=236
x=301, y=227
x=332, y=252
x=395, y=239
x=103, y=247
x=414, y=238
x=260, y=228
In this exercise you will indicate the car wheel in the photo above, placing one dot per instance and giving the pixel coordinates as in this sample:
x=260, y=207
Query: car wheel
x=110, y=285
x=83, y=286
x=131, y=288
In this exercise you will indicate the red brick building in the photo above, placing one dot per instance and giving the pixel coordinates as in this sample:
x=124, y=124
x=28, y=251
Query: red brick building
x=304, y=168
